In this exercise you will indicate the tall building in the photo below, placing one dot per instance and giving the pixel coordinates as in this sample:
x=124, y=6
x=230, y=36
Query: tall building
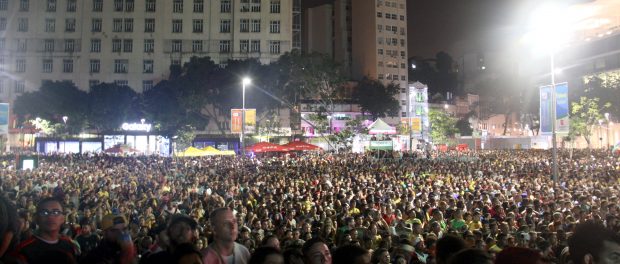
x=134, y=42
x=369, y=37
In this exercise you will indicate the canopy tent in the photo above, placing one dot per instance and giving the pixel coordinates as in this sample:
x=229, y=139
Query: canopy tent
x=120, y=149
x=192, y=152
x=211, y=151
x=300, y=146
x=381, y=127
x=266, y=147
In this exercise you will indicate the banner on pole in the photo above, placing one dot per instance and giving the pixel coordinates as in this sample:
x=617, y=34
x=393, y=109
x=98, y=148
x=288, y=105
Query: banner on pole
x=546, y=108
x=562, y=124
x=250, y=121
x=416, y=123
x=561, y=108
x=4, y=119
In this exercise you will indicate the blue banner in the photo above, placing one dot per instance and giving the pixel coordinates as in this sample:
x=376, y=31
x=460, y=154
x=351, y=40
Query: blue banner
x=561, y=108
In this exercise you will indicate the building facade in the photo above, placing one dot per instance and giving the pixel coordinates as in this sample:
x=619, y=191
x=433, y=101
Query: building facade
x=134, y=42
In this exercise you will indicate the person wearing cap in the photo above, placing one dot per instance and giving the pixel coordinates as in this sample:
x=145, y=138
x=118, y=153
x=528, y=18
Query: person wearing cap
x=181, y=230
x=116, y=246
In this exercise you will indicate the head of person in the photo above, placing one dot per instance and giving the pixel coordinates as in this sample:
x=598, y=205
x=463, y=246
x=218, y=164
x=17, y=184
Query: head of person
x=293, y=255
x=592, y=243
x=113, y=226
x=186, y=253
x=315, y=251
x=514, y=255
x=471, y=256
x=351, y=254
x=448, y=246
x=9, y=225
x=266, y=255
x=272, y=241
x=381, y=255
x=50, y=216
x=182, y=230
x=224, y=225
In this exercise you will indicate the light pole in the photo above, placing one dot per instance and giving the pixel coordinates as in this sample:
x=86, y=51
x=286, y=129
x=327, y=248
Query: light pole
x=554, y=136
x=64, y=144
x=608, y=124
x=246, y=81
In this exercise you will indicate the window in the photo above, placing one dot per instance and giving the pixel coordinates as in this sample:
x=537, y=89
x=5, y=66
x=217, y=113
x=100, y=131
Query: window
x=177, y=6
x=199, y=6
x=419, y=110
x=224, y=46
x=24, y=5
x=197, y=46
x=255, y=46
x=4, y=5
x=2, y=23
x=22, y=24
x=274, y=46
x=225, y=26
x=121, y=83
x=95, y=66
x=127, y=45
x=379, y=14
x=380, y=28
x=71, y=6
x=149, y=25
x=120, y=66
x=255, y=25
x=20, y=86
x=117, y=25
x=402, y=42
x=117, y=45
x=380, y=77
x=197, y=25
x=96, y=25
x=51, y=6
x=129, y=4
x=69, y=45
x=402, y=18
x=149, y=45
x=255, y=7
x=403, y=78
x=128, y=24
x=95, y=45
x=380, y=51
x=22, y=45
x=47, y=65
x=225, y=6
x=150, y=6
x=395, y=77
x=48, y=45
x=402, y=54
x=147, y=85
x=245, y=5
x=97, y=5
x=177, y=45
x=118, y=5
x=92, y=83
x=147, y=66
x=244, y=25
x=244, y=45
x=275, y=6
x=175, y=62
x=177, y=26
x=50, y=25
x=67, y=65
x=70, y=25
x=274, y=26
x=394, y=16
x=403, y=66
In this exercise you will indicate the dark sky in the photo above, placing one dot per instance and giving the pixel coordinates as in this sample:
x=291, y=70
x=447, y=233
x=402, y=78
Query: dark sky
x=458, y=26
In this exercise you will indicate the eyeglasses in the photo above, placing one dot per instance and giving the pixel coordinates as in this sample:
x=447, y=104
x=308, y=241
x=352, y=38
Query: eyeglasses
x=50, y=213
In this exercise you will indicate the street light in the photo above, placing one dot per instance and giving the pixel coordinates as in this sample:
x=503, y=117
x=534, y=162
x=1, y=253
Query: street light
x=600, y=133
x=607, y=131
x=246, y=81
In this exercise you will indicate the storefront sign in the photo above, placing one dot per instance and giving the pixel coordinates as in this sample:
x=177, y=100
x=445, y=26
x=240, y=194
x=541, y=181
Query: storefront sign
x=136, y=127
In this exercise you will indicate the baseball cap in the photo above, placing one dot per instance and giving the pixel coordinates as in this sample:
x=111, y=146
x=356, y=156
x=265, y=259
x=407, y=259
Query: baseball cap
x=111, y=220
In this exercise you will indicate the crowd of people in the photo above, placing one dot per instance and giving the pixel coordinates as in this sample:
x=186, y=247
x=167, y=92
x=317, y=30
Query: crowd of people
x=467, y=207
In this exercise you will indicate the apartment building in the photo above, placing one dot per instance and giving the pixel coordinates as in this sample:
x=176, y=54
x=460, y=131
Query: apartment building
x=134, y=42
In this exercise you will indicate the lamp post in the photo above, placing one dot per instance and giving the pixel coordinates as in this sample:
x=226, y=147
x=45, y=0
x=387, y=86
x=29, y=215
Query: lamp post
x=64, y=144
x=607, y=131
x=600, y=132
x=246, y=81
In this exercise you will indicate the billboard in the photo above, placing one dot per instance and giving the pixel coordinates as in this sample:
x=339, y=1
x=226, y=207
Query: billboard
x=250, y=121
x=561, y=109
x=416, y=124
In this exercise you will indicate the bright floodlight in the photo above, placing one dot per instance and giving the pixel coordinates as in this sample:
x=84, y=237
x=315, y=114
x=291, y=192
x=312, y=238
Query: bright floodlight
x=557, y=70
x=551, y=26
x=247, y=81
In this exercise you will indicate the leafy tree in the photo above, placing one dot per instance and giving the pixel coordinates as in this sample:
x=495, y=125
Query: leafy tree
x=464, y=127
x=586, y=114
x=184, y=137
x=161, y=106
x=111, y=105
x=344, y=138
x=376, y=98
x=443, y=126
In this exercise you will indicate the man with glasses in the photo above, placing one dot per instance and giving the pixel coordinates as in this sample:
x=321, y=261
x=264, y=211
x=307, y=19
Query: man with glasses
x=47, y=244
x=116, y=245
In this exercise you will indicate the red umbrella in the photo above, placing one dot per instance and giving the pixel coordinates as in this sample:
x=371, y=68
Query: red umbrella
x=301, y=146
x=267, y=147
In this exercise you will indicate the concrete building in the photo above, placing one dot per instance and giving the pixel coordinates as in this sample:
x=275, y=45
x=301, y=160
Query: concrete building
x=133, y=42
x=367, y=36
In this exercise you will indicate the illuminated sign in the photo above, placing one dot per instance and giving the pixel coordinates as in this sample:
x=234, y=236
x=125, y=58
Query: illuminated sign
x=136, y=127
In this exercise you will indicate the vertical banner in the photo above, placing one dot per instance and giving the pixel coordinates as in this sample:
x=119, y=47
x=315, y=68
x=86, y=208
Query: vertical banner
x=250, y=121
x=546, y=108
x=416, y=124
x=561, y=108
x=4, y=119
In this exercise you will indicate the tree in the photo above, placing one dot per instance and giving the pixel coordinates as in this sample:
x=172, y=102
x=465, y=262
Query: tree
x=586, y=113
x=161, y=106
x=111, y=105
x=464, y=127
x=443, y=126
x=344, y=138
x=376, y=98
